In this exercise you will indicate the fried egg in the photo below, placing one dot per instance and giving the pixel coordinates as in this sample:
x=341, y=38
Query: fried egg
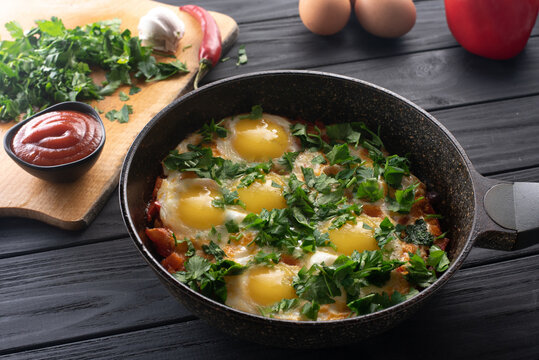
x=263, y=194
x=261, y=286
x=256, y=140
x=358, y=236
x=186, y=205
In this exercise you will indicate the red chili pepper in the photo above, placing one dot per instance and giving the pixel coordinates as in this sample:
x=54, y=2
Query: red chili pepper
x=210, y=49
x=496, y=29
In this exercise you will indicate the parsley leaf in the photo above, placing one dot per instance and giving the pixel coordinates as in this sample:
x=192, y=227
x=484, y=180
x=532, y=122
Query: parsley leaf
x=438, y=259
x=288, y=159
x=208, y=130
x=340, y=154
x=315, y=284
x=376, y=302
x=308, y=139
x=134, y=90
x=123, y=96
x=242, y=56
x=404, y=199
x=395, y=168
x=385, y=233
x=418, y=274
x=214, y=249
x=232, y=227
x=122, y=116
x=266, y=258
x=208, y=278
x=228, y=198
x=310, y=310
x=256, y=113
x=370, y=190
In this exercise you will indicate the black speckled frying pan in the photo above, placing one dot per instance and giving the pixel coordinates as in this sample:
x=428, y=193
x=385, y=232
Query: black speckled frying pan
x=437, y=159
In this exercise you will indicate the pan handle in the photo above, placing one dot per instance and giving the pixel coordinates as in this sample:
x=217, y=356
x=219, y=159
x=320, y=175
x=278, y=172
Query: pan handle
x=515, y=208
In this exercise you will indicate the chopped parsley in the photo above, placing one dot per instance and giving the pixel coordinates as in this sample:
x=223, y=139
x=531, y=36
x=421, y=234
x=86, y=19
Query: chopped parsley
x=208, y=130
x=214, y=250
x=51, y=64
x=208, y=278
x=242, y=56
x=418, y=233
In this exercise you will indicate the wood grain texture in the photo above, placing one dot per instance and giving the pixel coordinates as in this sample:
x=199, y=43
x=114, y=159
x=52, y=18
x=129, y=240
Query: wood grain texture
x=74, y=205
x=485, y=312
x=497, y=137
x=79, y=291
x=450, y=77
x=20, y=236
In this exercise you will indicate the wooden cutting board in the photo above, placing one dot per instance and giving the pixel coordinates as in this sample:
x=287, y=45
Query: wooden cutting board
x=73, y=206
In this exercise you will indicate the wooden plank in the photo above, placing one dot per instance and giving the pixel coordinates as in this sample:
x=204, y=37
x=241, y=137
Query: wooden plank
x=78, y=291
x=499, y=136
x=434, y=80
x=65, y=205
x=486, y=312
x=20, y=236
x=450, y=77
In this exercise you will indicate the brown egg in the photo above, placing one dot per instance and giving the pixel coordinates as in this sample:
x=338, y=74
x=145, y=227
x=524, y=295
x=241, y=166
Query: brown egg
x=324, y=17
x=386, y=18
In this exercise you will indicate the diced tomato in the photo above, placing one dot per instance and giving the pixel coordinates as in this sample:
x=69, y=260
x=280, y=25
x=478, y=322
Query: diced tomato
x=162, y=239
x=372, y=210
x=153, y=210
x=441, y=243
x=174, y=262
x=289, y=260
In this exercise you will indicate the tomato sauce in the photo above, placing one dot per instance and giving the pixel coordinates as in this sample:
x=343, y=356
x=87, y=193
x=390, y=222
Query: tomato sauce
x=57, y=137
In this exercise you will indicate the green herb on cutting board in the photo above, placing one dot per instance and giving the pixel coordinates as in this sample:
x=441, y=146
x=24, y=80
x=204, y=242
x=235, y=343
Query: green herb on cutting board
x=50, y=64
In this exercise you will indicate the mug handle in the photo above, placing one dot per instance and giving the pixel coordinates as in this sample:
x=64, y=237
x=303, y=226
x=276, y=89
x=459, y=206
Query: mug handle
x=514, y=207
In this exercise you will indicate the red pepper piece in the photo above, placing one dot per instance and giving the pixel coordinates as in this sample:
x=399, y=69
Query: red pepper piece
x=210, y=49
x=495, y=29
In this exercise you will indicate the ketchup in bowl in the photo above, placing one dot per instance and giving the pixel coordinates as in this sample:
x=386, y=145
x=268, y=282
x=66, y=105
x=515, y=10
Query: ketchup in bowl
x=59, y=144
x=57, y=137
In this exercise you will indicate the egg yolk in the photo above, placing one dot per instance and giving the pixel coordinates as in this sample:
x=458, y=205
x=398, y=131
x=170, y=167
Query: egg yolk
x=350, y=237
x=263, y=195
x=266, y=285
x=259, y=140
x=195, y=208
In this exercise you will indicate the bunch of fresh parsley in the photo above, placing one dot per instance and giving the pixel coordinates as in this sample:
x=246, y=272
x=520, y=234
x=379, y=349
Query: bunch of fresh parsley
x=50, y=64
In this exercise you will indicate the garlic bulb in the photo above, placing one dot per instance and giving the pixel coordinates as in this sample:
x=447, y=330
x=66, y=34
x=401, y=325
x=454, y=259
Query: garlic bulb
x=161, y=29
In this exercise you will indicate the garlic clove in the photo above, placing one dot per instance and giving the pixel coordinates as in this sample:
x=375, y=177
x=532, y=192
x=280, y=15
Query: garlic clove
x=161, y=29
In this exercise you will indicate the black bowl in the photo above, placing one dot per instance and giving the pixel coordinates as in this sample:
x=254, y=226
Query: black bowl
x=65, y=172
x=437, y=159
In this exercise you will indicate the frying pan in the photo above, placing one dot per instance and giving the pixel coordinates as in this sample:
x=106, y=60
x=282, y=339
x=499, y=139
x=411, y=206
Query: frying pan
x=476, y=210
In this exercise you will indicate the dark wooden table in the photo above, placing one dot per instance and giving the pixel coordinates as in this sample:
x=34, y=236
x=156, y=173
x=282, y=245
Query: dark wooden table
x=89, y=294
